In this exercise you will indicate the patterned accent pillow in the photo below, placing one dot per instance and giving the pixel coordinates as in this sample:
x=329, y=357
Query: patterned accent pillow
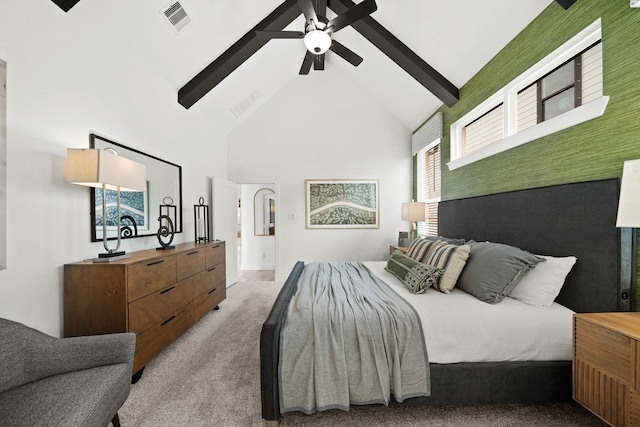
x=416, y=276
x=452, y=259
x=420, y=248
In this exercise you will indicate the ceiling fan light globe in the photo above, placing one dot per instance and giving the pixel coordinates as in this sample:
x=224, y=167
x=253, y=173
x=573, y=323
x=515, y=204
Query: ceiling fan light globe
x=317, y=41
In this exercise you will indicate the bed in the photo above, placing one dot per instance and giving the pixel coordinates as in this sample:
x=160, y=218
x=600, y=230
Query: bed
x=575, y=219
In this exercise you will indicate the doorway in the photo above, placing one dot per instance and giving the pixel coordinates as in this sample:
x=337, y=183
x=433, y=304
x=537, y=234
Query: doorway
x=257, y=230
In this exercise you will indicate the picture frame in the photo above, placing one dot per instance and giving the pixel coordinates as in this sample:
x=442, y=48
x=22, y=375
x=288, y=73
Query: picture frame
x=342, y=203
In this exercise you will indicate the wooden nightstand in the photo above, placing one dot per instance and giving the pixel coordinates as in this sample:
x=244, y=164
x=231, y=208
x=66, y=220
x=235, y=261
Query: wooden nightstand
x=402, y=249
x=606, y=365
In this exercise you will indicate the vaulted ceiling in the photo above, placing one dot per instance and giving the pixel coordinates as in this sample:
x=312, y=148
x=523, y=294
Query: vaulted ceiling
x=450, y=39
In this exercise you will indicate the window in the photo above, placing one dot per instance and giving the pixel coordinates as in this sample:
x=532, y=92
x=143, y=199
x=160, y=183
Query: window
x=576, y=82
x=562, y=90
x=429, y=187
x=484, y=131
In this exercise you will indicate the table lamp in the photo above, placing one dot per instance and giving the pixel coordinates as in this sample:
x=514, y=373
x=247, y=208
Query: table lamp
x=105, y=169
x=629, y=204
x=414, y=212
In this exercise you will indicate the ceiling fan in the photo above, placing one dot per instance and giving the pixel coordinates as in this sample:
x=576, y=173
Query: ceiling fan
x=318, y=30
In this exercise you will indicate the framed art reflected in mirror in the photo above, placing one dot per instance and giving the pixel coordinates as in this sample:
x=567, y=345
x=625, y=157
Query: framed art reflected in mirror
x=139, y=210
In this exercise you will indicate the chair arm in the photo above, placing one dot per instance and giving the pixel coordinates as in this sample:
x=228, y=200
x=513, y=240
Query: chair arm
x=49, y=356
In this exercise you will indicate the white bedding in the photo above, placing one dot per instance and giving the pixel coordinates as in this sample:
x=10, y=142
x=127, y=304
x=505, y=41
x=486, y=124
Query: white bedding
x=460, y=328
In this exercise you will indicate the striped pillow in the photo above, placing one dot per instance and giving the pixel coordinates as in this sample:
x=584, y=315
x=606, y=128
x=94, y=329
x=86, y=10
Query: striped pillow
x=420, y=248
x=452, y=259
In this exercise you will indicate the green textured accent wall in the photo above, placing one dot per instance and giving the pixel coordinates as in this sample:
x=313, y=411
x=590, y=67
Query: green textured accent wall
x=592, y=150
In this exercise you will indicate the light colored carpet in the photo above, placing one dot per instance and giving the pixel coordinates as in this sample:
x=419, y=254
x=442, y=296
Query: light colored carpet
x=210, y=377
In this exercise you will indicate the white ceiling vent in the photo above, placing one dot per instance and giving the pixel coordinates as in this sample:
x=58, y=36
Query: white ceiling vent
x=176, y=16
x=244, y=105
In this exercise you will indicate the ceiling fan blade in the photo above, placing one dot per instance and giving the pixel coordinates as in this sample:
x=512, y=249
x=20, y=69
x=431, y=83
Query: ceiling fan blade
x=308, y=10
x=345, y=53
x=357, y=12
x=321, y=8
x=307, y=62
x=280, y=34
x=318, y=63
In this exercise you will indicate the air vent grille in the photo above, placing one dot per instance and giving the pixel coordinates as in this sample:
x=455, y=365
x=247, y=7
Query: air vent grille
x=176, y=15
x=244, y=105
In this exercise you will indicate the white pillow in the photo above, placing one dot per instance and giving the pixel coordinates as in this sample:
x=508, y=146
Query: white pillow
x=542, y=284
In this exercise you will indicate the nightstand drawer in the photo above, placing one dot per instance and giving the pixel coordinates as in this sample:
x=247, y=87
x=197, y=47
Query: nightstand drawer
x=147, y=277
x=611, y=352
x=146, y=312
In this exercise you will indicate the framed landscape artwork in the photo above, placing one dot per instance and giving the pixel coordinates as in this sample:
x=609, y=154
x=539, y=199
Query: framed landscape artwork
x=342, y=203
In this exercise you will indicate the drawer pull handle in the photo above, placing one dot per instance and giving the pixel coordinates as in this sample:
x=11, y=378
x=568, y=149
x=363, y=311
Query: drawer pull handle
x=154, y=263
x=212, y=291
x=193, y=253
x=216, y=246
x=211, y=269
x=167, y=290
x=168, y=320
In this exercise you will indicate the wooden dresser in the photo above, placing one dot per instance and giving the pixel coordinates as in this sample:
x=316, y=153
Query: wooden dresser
x=158, y=294
x=606, y=366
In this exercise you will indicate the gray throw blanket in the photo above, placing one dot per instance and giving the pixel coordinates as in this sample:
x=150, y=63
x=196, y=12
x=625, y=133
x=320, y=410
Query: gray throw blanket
x=349, y=339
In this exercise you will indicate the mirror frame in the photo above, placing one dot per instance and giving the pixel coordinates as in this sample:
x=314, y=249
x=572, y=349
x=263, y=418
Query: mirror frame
x=150, y=160
x=260, y=192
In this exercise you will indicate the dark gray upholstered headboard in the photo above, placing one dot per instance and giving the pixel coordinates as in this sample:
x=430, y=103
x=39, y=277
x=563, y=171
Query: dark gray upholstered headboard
x=576, y=219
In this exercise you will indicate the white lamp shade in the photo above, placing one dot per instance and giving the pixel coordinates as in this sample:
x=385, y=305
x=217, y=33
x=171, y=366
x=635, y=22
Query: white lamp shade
x=629, y=205
x=92, y=168
x=414, y=211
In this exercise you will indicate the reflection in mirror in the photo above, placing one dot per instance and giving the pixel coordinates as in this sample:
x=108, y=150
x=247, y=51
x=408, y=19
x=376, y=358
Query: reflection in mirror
x=164, y=179
x=3, y=165
x=264, y=212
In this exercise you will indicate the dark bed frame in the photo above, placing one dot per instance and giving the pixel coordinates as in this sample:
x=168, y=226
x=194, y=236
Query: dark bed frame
x=570, y=219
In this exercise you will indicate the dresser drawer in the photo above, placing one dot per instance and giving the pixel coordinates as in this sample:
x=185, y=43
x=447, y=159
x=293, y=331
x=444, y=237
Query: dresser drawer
x=207, y=301
x=147, y=311
x=149, y=276
x=191, y=262
x=215, y=254
x=208, y=279
x=612, y=352
x=158, y=337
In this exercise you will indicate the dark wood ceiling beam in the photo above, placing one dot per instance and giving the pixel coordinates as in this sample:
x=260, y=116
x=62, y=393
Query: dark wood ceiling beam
x=565, y=3
x=399, y=53
x=65, y=4
x=233, y=57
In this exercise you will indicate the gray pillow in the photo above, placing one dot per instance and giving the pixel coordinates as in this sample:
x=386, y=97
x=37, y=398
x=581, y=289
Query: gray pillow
x=494, y=269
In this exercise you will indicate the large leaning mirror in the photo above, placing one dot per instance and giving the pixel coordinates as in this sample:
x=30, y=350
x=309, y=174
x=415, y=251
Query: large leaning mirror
x=264, y=212
x=139, y=210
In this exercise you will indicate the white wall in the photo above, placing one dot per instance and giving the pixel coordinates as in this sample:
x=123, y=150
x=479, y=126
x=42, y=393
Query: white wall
x=303, y=133
x=258, y=252
x=66, y=78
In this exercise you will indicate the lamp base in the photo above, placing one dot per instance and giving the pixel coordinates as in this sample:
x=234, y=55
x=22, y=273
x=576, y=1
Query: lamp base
x=162, y=248
x=111, y=256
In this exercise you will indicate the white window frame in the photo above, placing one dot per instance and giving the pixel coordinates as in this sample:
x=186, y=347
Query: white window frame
x=508, y=96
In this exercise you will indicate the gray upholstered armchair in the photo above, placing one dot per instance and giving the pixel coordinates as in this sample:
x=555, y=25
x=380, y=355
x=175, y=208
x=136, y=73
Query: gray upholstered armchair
x=46, y=381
